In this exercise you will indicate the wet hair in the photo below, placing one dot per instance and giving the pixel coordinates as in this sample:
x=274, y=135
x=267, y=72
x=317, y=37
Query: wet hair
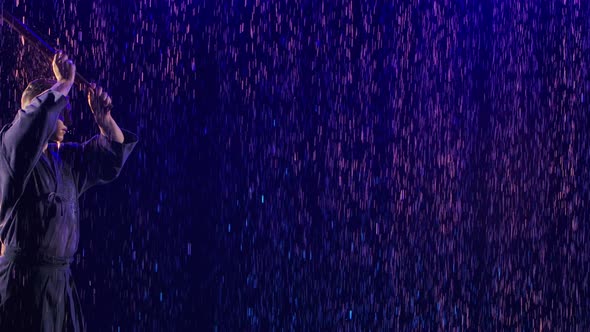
x=39, y=86
x=34, y=89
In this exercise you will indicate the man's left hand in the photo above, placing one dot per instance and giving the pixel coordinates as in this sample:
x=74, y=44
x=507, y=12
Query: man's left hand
x=100, y=104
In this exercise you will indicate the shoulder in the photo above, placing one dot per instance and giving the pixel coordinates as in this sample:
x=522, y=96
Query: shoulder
x=69, y=150
x=69, y=147
x=5, y=128
x=2, y=134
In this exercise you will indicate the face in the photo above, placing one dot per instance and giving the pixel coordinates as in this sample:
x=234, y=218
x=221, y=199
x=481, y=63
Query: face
x=60, y=131
x=60, y=127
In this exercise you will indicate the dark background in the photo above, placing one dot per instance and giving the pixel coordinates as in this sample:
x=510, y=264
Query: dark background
x=323, y=165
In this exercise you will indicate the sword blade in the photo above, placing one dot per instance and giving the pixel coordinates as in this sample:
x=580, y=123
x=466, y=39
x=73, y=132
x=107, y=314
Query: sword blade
x=37, y=42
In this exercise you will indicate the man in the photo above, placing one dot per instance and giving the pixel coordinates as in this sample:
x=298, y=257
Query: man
x=40, y=182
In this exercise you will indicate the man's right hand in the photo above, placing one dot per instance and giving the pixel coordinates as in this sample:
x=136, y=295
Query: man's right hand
x=65, y=73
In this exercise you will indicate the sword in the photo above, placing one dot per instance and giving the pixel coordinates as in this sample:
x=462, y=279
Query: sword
x=37, y=42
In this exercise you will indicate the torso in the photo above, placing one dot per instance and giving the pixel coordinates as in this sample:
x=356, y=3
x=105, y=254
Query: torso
x=48, y=210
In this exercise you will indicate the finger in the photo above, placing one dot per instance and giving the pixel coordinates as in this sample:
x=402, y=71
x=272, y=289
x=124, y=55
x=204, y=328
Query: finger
x=57, y=59
x=91, y=102
x=91, y=92
x=64, y=58
x=99, y=90
x=104, y=96
x=109, y=101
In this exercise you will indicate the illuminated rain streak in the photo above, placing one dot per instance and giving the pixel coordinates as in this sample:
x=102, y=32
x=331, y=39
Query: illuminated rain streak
x=338, y=165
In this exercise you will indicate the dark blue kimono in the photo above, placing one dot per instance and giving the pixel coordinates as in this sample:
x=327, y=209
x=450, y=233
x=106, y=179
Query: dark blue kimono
x=39, y=215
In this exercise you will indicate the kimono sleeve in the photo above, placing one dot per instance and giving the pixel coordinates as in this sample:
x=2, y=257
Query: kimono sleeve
x=99, y=160
x=23, y=140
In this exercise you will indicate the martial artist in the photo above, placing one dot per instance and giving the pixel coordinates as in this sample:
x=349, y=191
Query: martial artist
x=41, y=179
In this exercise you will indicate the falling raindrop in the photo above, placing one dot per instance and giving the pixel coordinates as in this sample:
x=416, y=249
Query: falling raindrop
x=432, y=155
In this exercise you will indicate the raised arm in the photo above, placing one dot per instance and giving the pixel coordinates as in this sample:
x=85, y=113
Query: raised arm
x=23, y=140
x=100, y=106
x=99, y=160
